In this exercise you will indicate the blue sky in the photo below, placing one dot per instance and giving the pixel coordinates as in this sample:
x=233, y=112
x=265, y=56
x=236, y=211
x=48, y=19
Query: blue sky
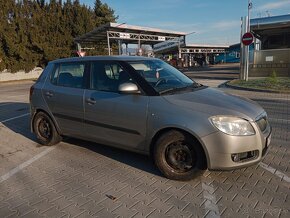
x=214, y=21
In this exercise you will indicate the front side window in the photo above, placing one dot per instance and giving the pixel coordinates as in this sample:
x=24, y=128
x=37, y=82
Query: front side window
x=69, y=75
x=161, y=76
x=107, y=76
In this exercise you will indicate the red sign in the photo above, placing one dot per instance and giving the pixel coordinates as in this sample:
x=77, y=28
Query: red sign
x=81, y=53
x=247, y=39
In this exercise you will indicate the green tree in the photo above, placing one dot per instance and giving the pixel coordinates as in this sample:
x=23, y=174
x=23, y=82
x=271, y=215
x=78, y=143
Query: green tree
x=7, y=31
x=33, y=32
x=103, y=13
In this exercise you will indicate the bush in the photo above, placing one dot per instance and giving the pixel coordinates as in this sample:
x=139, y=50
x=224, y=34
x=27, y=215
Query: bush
x=273, y=78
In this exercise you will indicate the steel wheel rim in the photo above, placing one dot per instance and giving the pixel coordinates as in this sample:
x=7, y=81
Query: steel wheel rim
x=44, y=129
x=180, y=157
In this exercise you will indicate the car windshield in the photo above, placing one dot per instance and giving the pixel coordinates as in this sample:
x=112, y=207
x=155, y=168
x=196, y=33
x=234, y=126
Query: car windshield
x=161, y=76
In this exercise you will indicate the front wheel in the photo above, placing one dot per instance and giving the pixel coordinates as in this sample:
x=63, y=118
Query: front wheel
x=178, y=156
x=45, y=130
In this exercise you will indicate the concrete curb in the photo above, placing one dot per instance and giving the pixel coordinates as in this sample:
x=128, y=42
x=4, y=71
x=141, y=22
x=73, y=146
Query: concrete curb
x=226, y=84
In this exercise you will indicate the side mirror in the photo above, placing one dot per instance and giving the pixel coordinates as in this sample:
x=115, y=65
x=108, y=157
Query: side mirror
x=129, y=88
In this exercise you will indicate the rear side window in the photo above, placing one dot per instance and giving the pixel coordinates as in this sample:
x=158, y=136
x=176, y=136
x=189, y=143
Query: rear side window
x=69, y=75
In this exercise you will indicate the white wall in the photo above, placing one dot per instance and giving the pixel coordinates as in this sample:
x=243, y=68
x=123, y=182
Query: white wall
x=20, y=75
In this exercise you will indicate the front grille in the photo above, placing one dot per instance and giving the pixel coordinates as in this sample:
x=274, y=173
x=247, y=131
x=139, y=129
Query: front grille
x=245, y=156
x=262, y=123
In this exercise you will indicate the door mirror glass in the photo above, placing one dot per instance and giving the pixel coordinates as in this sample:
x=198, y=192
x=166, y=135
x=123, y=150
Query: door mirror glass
x=129, y=88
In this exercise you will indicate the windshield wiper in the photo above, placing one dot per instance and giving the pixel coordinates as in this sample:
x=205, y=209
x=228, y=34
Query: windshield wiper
x=172, y=90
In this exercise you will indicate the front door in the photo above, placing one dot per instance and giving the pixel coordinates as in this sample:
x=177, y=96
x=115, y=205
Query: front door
x=111, y=117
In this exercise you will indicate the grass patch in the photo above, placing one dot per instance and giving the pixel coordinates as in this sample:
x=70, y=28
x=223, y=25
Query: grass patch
x=270, y=83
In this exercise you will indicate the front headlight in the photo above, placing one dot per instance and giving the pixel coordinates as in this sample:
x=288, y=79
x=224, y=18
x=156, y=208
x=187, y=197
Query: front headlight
x=233, y=125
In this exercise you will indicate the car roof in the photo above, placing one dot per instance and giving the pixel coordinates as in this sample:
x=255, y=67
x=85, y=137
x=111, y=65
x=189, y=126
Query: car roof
x=103, y=58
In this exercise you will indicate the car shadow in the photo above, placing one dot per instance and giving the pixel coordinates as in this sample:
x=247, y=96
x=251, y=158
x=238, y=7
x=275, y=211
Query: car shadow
x=21, y=126
x=15, y=116
x=136, y=160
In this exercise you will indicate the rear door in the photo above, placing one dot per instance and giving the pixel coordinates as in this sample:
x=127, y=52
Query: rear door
x=111, y=117
x=64, y=92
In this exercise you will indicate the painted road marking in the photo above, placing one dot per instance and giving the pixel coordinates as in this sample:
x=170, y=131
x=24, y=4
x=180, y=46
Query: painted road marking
x=17, y=95
x=25, y=164
x=275, y=172
x=210, y=200
x=277, y=119
x=13, y=118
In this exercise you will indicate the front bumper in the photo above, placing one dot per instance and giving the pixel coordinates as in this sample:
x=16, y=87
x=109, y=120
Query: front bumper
x=222, y=150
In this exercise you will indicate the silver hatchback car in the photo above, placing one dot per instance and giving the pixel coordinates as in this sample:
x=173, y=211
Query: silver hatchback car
x=147, y=106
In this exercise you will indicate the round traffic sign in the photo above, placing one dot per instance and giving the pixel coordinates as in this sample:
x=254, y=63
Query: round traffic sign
x=247, y=38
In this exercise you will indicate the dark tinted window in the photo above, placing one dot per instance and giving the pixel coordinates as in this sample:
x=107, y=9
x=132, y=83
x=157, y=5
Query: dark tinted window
x=69, y=75
x=107, y=76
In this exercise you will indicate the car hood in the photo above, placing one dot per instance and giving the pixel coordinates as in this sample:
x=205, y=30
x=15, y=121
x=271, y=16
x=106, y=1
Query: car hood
x=215, y=102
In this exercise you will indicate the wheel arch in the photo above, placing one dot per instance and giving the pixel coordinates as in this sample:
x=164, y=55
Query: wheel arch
x=49, y=115
x=194, y=136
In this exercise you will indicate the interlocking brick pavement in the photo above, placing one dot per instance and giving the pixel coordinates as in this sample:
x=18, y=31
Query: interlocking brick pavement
x=85, y=179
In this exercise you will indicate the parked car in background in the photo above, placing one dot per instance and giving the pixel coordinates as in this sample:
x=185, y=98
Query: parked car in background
x=147, y=106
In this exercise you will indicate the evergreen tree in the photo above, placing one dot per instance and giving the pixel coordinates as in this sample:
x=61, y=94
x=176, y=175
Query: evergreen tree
x=103, y=13
x=33, y=32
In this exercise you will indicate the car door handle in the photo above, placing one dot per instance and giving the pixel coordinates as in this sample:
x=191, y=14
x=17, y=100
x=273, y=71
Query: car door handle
x=91, y=101
x=49, y=94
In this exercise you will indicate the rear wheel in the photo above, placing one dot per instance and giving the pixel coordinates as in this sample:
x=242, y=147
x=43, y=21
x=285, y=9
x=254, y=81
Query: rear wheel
x=178, y=156
x=45, y=130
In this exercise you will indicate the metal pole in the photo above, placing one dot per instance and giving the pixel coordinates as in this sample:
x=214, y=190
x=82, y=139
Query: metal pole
x=243, y=49
x=120, y=47
x=249, y=7
x=108, y=40
x=79, y=47
x=225, y=57
x=248, y=47
x=139, y=46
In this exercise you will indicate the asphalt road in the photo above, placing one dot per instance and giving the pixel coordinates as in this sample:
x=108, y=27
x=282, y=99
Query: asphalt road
x=83, y=179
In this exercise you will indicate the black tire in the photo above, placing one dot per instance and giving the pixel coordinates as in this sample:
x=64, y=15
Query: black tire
x=45, y=130
x=179, y=156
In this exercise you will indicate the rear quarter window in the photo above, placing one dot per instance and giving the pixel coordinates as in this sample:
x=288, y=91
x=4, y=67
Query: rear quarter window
x=69, y=75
